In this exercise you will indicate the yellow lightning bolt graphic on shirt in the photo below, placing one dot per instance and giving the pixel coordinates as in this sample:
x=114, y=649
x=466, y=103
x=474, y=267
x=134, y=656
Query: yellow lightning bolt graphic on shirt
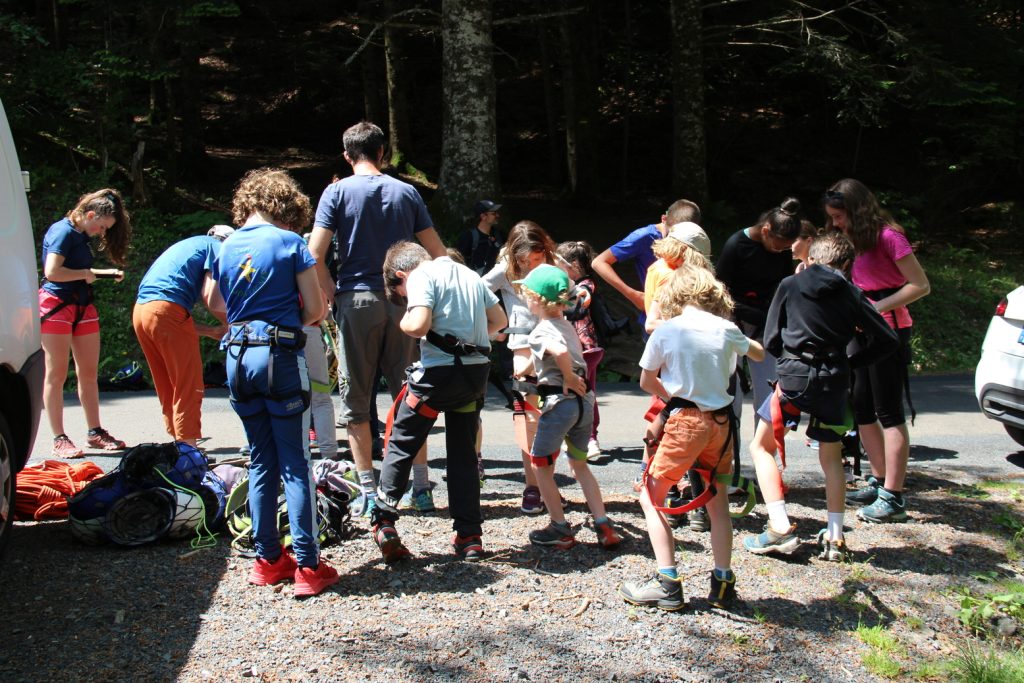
x=247, y=270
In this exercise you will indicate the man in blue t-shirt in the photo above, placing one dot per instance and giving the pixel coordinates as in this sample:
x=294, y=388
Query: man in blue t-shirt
x=169, y=335
x=636, y=247
x=366, y=213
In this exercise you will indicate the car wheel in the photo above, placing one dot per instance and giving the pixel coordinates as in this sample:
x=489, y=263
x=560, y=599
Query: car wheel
x=8, y=484
x=1016, y=433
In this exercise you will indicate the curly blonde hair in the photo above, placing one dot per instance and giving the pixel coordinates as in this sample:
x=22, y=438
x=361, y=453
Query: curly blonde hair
x=676, y=254
x=107, y=202
x=276, y=195
x=689, y=286
x=550, y=308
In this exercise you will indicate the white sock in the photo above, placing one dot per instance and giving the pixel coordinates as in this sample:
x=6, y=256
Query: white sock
x=835, y=526
x=420, y=477
x=367, y=482
x=778, y=520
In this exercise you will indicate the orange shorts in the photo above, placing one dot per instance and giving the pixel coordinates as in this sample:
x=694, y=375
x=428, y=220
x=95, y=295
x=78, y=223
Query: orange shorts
x=692, y=438
x=63, y=321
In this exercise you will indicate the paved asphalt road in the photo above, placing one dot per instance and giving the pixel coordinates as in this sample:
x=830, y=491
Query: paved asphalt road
x=950, y=435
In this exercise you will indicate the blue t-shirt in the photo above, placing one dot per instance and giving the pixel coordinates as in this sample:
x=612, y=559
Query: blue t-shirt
x=62, y=238
x=367, y=214
x=458, y=301
x=177, y=274
x=256, y=271
x=637, y=246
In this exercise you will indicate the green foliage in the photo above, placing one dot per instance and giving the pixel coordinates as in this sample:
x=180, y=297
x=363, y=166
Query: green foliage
x=976, y=665
x=979, y=613
x=950, y=323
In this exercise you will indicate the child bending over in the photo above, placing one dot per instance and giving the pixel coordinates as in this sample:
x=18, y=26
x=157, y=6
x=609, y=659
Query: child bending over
x=812, y=318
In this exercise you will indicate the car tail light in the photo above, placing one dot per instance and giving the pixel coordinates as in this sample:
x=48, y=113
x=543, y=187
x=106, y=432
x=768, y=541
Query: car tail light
x=1001, y=308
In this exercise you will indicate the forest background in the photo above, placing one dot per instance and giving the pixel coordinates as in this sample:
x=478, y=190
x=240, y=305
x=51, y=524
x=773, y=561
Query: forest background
x=589, y=117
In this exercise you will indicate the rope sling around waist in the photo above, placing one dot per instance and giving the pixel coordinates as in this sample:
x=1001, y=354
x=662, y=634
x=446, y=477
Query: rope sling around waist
x=707, y=475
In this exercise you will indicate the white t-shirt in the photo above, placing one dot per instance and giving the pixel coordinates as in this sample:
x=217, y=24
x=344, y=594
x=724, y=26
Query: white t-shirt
x=458, y=300
x=696, y=352
x=519, y=316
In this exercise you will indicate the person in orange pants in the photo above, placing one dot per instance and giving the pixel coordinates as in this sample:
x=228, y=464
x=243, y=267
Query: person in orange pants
x=168, y=334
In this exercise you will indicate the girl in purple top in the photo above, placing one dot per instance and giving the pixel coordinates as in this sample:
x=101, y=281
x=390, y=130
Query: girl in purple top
x=890, y=275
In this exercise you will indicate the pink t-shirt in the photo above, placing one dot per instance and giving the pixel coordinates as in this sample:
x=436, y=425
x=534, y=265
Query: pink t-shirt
x=876, y=269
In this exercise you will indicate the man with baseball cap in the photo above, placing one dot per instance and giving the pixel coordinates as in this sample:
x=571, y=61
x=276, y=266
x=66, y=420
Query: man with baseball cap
x=479, y=245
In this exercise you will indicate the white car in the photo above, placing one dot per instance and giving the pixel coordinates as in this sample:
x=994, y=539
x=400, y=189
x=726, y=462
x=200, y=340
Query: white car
x=999, y=378
x=21, y=356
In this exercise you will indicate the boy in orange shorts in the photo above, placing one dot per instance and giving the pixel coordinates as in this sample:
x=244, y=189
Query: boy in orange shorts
x=687, y=363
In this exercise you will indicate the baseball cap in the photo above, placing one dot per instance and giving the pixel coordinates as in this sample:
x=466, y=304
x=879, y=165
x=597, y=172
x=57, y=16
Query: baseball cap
x=549, y=282
x=692, y=235
x=485, y=206
x=221, y=232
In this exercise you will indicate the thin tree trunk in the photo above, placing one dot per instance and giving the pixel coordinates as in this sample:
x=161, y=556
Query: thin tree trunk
x=689, y=154
x=469, y=168
x=627, y=87
x=373, y=71
x=399, y=136
x=556, y=167
x=580, y=95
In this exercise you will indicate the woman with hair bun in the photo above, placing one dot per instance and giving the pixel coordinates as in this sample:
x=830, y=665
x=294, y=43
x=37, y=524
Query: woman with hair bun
x=891, y=276
x=752, y=264
x=69, y=321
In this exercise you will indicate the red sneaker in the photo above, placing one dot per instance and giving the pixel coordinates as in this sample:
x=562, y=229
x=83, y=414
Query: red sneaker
x=607, y=537
x=469, y=548
x=100, y=438
x=63, y=447
x=391, y=546
x=265, y=573
x=310, y=582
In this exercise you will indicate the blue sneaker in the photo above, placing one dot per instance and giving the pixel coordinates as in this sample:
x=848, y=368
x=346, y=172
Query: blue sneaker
x=371, y=505
x=771, y=541
x=866, y=494
x=888, y=507
x=420, y=501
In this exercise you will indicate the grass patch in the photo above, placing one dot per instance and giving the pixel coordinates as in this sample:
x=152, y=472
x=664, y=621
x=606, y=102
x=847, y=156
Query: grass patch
x=883, y=659
x=971, y=492
x=975, y=665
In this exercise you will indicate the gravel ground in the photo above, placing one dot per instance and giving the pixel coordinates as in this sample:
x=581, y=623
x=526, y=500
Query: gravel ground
x=161, y=612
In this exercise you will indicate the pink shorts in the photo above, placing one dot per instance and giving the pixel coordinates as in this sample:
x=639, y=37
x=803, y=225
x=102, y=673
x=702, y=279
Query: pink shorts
x=63, y=321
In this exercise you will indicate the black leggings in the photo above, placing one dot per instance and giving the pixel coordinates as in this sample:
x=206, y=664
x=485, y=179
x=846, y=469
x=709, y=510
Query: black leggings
x=878, y=388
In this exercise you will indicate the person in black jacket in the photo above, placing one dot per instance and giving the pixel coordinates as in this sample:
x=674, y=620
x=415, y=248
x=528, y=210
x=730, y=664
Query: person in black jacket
x=812, y=319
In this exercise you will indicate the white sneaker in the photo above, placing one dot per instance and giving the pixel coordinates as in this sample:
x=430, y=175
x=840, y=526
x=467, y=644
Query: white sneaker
x=593, y=450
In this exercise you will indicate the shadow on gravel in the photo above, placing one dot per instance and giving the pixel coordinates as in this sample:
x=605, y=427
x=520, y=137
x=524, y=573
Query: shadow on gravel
x=919, y=452
x=81, y=613
x=856, y=604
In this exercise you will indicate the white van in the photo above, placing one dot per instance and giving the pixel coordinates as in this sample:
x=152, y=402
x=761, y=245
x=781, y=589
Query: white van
x=21, y=356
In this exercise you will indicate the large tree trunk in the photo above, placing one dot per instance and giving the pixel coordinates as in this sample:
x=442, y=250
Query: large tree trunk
x=469, y=168
x=399, y=135
x=689, y=152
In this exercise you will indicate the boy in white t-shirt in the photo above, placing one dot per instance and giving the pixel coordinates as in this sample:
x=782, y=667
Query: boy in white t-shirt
x=695, y=353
